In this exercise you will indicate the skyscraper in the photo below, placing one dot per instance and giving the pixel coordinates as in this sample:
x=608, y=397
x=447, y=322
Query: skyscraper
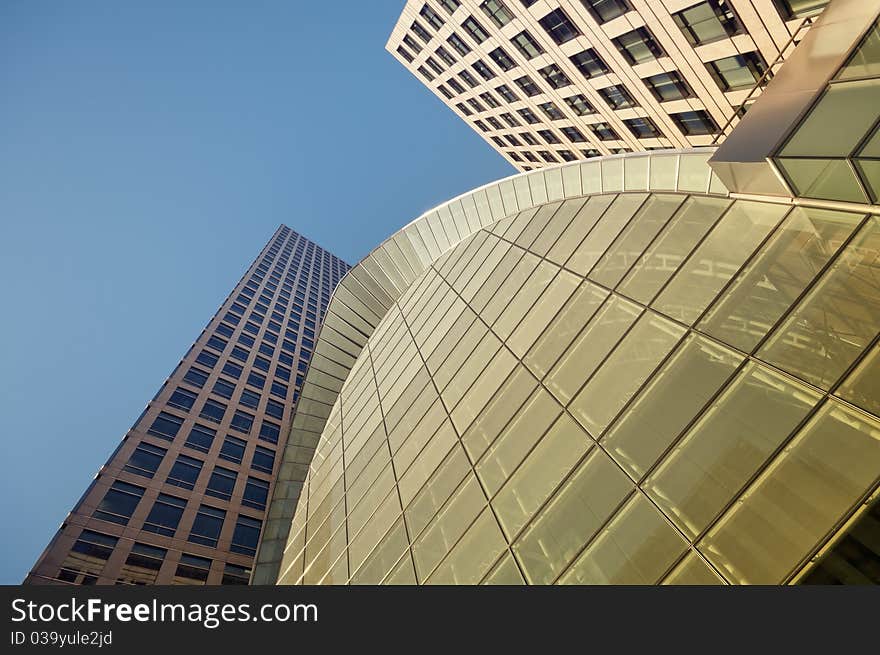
x=183, y=498
x=547, y=81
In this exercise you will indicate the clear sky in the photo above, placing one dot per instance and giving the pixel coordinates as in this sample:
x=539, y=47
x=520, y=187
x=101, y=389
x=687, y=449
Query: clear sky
x=147, y=152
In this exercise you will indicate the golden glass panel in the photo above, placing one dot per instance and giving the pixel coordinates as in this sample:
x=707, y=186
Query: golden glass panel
x=481, y=391
x=426, y=462
x=605, y=231
x=384, y=556
x=635, y=237
x=580, y=225
x=497, y=413
x=589, y=349
x=473, y=555
x=424, y=430
x=637, y=547
x=506, y=572
x=671, y=399
x=512, y=283
x=362, y=544
x=551, y=230
x=404, y=573
x=624, y=371
x=663, y=257
x=862, y=387
x=541, y=472
x=775, y=278
x=726, y=447
x=825, y=179
x=431, y=497
x=542, y=312
x=798, y=501
x=869, y=170
x=837, y=319
x=571, y=518
x=536, y=225
x=359, y=513
x=692, y=570
x=464, y=350
x=570, y=321
x=717, y=259
x=523, y=300
x=865, y=61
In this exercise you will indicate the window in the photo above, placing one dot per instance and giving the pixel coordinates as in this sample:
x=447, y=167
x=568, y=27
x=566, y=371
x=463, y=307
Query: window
x=238, y=353
x=444, y=55
x=642, y=128
x=468, y=79
x=528, y=116
x=505, y=92
x=166, y=426
x=119, y=503
x=270, y=431
x=567, y=155
x=233, y=449
x=224, y=388
x=490, y=100
x=182, y=399
x=460, y=46
x=559, y=27
x=638, y=46
x=573, y=134
x=604, y=132
x=225, y=330
x=528, y=138
x=499, y=56
x=246, y=536
x=207, y=526
x=185, y=472
x=548, y=157
x=222, y=483
x=201, y=438
x=738, y=71
x=231, y=318
x=236, y=575
x=264, y=459
x=207, y=358
x=617, y=97
x=142, y=564
x=192, y=568
x=242, y=421
x=217, y=343
x=437, y=68
x=476, y=31
x=403, y=52
x=694, y=123
x=420, y=31
x=431, y=17
x=274, y=409
x=213, y=411
x=668, y=86
x=531, y=156
x=589, y=63
x=799, y=8
x=527, y=85
x=249, y=398
x=497, y=11
x=706, y=22
x=196, y=377
x=256, y=493
x=145, y=460
x=95, y=545
x=526, y=44
x=606, y=10
x=426, y=75
x=548, y=136
x=512, y=140
x=580, y=105
x=510, y=120
x=485, y=72
x=553, y=112
x=246, y=339
x=554, y=76
x=256, y=379
x=450, y=5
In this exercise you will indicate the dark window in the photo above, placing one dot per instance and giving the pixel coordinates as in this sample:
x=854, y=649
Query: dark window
x=242, y=421
x=559, y=27
x=604, y=132
x=738, y=71
x=182, y=399
x=414, y=45
x=580, y=105
x=444, y=55
x=421, y=32
x=547, y=156
x=207, y=526
x=605, y=10
x=256, y=493
x=497, y=11
x=166, y=426
x=264, y=459
x=573, y=134
x=217, y=343
x=638, y=46
x=239, y=353
x=510, y=120
x=707, y=21
x=494, y=122
x=119, y=502
x=207, y=358
x=567, y=155
x=232, y=369
x=548, y=136
x=142, y=564
x=552, y=111
x=476, y=31
x=668, y=86
x=473, y=102
x=185, y=472
x=246, y=536
x=485, y=72
x=695, y=123
x=196, y=377
x=526, y=44
x=95, y=544
x=201, y=438
x=145, y=460
x=249, y=398
x=270, y=431
x=460, y=46
x=528, y=116
x=274, y=409
x=589, y=63
x=528, y=138
x=236, y=575
x=425, y=73
x=505, y=92
x=554, y=76
x=193, y=568
x=213, y=411
x=499, y=56
x=233, y=449
x=527, y=85
x=450, y=5
x=431, y=17
x=617, y=97
x=232, y=318
x=253, y=328
x=403, y=52
x=222, y=483
x=224, y=388
x=642, y=128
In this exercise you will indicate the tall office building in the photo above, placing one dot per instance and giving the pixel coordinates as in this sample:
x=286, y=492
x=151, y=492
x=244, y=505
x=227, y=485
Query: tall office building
x=183, y=498
x=547, y=81
x=643, y=368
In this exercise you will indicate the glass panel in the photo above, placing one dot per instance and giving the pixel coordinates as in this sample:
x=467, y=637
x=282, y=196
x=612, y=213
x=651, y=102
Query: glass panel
x=729, y=443
x=717, y=259
x=473, y=555
x=588, y=350
x=383, y=557
x=628, y=247
x=573, y=516
x=609, y=226
x=490, y=422
x=783, y=268
x=869, y=169
x=542, y=312
x=832, y=325
x=804, y=494
x=693, y=571
x=545, y=467
x=506, y=573
x=826, y=179
x=625, y=370
x=554, y=227
x=678, y=238
x=862, y=387
x=582, y=223
x=438, y=489
x=668, y=403
x=865, y=61
x=637, y=547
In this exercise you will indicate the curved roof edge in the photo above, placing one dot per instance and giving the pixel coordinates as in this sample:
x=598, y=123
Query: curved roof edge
x=374, y=284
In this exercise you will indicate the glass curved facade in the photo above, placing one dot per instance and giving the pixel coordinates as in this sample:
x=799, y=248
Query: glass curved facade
x=639, y=380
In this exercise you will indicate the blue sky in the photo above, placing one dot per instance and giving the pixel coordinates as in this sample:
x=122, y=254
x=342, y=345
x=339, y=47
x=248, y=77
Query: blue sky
x=147, y=152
